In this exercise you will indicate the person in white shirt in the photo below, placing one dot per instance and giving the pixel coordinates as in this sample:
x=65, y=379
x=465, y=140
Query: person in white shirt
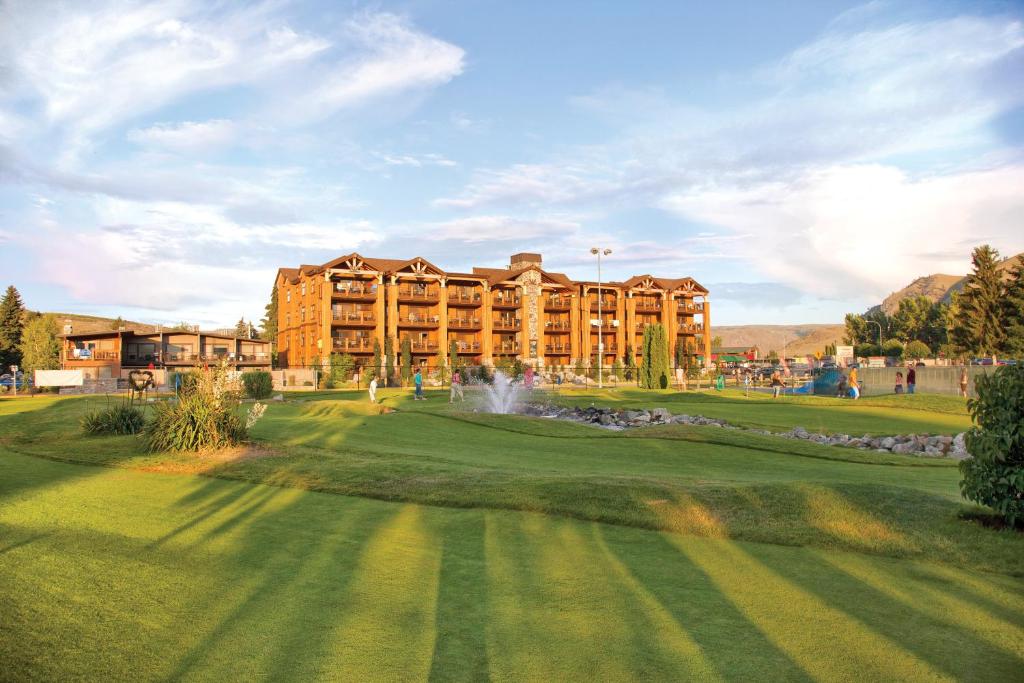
x=373, y=389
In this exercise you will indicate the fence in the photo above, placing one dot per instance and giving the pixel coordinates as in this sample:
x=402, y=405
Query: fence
x=930, y=380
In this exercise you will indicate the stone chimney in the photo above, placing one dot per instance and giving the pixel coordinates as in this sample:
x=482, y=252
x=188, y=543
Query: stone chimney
x=524, y=259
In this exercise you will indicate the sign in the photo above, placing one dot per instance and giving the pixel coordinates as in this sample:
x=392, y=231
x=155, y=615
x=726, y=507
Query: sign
x=844, y=353
x=59, y=378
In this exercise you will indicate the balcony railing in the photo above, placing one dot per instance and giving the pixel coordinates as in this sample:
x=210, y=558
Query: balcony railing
x=354, y=317
x=456, y=297
x=421, y=346
x=558, y=325
x=690, y=307
x=560, y=349
x=415, y=320
x=468, y=347
x=690, y=329
x=505, y=300
x=608, y=348
x=648, y=305
x=606, y=326
x=553, y=303
x=606, y=304
x=352, y=344
x=355, y=291
x=463, y=323
x=93, y=355
x=414, y=294
x=507, y=347
x=506, y=324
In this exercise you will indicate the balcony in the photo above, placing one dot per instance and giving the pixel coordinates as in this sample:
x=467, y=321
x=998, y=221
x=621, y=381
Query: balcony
x=606, y=304
x=690, y=328
x=353, y=344
x=94, y=355
x=259, y=358
x=506, y=347
x=505, y=300
x=421, y=321
x=354, y=291
x=416, y=294
x=457, y=298
x=467, y=347
x=690, y=307
x=557, y=303
x=464, y=324
x=354, y=318
x=608, y=348
x=424, y=345
x=557, y=326
x=557, y=349
x=606, y=326
x=512, y=324
x=648, y=305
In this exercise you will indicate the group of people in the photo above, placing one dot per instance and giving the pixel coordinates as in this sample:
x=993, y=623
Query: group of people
x=911, y=380
x=417, y=379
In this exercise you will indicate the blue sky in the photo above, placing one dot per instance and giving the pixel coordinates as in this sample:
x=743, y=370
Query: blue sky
x=160, y=161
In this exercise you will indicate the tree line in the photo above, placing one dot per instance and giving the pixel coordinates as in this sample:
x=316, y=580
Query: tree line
x=984, y=319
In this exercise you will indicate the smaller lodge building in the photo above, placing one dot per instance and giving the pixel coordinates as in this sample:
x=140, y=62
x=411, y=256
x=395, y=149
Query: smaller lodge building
x=105, y=354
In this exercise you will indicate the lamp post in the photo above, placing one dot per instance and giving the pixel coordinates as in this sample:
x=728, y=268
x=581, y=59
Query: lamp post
x=600, y=321
x=879, y=325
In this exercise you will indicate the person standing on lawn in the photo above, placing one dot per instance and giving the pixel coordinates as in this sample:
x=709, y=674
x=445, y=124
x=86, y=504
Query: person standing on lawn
x=911, y=379
x=373, y=389
x=418, y=379
x=963, y=381
x=899, y=382
x=854, y=384
x=456, y=387
x=777, y=384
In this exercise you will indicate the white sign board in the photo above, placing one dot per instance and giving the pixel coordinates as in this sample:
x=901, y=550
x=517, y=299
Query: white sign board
x=58, y=378
x=844, y=354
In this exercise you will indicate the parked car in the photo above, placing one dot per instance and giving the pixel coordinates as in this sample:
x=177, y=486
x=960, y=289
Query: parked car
x=7, y=381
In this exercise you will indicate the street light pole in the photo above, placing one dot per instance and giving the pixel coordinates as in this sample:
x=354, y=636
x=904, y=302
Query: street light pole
x=879, y=325
x=600, y=320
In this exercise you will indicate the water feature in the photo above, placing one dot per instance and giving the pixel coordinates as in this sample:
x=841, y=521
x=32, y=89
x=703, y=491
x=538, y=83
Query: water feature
x=502, y=395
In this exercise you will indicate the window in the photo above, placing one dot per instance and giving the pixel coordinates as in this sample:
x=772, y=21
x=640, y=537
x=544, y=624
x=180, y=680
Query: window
x=303, y=289
x=302, y=314
x=288, y=295
x=287, y=319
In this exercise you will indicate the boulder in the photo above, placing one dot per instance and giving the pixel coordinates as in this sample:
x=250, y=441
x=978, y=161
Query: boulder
x=661, y=415
x=887, y=443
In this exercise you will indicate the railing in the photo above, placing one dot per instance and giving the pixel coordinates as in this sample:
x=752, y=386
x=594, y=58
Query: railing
x=455, y=297
x=557, y=349
x=608, y=348
x=424, y=320
x=506, y=324
x=648, y=305
x=507, y=347
x=606, y=304
x=467, y=346
x=505, y=300
x=353, y=316
x=683, y=328
x=355, y=291
x=464, y=323
x=424, y=345
x=690, y=307
x=253, y=357
x=94, y=355
x=417, y=294
x=557, y=303
x=558, y=324
x=357, y=344
x=605, y=325
x=641, y=324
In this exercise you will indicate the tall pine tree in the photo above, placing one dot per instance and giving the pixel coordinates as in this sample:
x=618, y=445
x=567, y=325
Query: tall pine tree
x=1013, y=314
x=268, y=326
x=242, y=328
x=12, y=322
x=979, y=330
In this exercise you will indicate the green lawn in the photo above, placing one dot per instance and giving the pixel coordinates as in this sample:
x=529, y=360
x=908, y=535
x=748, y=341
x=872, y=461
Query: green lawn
x=470, y=546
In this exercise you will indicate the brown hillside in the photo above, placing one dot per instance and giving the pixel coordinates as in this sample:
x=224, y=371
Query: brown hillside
x=799, y=339
x=938, y=287
x=84, y=324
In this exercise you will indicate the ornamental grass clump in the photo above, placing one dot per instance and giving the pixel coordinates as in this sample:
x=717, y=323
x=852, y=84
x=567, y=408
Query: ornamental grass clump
x=205, y=416
x=994, y=474
x=123, y=418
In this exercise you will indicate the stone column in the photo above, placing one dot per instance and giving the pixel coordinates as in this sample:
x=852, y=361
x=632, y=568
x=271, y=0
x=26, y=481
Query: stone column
x=669, y=309
x=620, y=331
x=487, y=319
x=586, y=347
x=442, y=314
x=707, y=330
x=541, y=322
x=327, y=316
x=631, y=323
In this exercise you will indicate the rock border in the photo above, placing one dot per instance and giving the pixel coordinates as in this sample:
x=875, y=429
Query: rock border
x=918, y=445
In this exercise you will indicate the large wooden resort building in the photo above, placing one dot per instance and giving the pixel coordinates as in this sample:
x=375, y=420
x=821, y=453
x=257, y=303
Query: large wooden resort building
x=521, y=311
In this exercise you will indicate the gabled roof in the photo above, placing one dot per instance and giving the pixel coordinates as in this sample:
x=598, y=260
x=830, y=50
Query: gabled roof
x=419, y=266
x=685, y=284
x=644, y=282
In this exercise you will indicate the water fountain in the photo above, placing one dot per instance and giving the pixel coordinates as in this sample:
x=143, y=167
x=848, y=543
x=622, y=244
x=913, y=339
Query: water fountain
x=502, y=395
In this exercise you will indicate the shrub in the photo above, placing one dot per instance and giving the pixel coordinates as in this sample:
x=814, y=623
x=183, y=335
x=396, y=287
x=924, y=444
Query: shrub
x=203, y=418
x=892, y=348
x=342, y=365
x=258, y=384
x=994, y=475
x=120, y=419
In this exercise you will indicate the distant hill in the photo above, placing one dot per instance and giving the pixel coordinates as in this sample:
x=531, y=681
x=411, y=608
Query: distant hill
x=84, y=324
x=937, y=287
x=798, y=339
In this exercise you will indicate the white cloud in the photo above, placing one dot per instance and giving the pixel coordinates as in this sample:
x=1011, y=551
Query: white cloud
x=416, y=161
x=499, y=228
x=187, y=135
x=863, y=230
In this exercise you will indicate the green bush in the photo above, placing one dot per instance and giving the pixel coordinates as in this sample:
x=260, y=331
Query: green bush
x=994, y=475
x=917, y=349
x=892, y=348
x=203, y=418
x=258, y=384
x=120, y=419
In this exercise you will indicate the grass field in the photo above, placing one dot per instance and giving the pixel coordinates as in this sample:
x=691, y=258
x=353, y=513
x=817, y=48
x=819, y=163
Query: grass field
x=448, y=545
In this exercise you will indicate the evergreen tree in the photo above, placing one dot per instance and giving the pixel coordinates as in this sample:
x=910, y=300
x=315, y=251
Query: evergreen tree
x=629, y=362
x=40, y=348
x=978, y=329
x=12, y=321
x=1013, y=313
x=680, y=355
x=377, y=365
x=118, y=323
x=654, y=373
x=453, y=356
x=268, y=326
x=242, y=328
x=389, y=360
x=911, y=319
x=406, y=360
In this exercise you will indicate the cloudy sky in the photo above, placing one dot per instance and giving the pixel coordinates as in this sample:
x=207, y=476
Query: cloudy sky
x=160, y=161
